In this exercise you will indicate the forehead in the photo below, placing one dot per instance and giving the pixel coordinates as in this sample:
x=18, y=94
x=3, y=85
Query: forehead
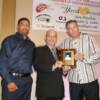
x=23, y=22
x=51, y=33
x=72, y=24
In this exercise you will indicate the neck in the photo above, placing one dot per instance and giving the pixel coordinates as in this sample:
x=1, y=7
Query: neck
x=51, y=46
x=74, y=38
x=24, y=37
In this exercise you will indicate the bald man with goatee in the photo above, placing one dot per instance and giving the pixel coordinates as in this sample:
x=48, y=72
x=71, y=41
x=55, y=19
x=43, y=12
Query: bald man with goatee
x=49, y=85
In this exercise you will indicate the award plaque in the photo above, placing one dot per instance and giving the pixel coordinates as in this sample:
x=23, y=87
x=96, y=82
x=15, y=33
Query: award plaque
x=67, y=56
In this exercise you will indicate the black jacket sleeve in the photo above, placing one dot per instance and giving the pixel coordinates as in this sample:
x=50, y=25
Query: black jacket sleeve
x=43, y=61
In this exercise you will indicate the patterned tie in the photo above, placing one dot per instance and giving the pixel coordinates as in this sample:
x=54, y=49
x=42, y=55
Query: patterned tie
x=54, y=52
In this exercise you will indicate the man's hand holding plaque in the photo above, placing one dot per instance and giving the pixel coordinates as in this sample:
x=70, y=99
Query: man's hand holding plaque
x=60, y=65
x=79, y=56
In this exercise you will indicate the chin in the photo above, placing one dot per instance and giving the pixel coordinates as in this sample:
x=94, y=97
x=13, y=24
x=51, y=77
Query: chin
x=74, y=36
x=52, y=45
x=25, y=33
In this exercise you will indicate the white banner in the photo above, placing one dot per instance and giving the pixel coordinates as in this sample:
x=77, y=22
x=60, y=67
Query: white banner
x=55, y=13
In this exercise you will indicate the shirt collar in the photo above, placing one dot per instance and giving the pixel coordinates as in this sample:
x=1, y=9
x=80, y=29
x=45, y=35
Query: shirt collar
x=76, y=38
x=20, y=36
x=50, y=47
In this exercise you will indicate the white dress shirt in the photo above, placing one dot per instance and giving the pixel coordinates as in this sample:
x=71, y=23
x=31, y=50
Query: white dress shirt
x=85, y=70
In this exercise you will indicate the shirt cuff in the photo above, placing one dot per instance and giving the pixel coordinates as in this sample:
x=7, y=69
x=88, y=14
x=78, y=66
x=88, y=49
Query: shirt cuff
x=53, y=68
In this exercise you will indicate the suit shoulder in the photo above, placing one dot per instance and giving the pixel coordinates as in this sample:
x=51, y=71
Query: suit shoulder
x=32, y=43
x=40, y=49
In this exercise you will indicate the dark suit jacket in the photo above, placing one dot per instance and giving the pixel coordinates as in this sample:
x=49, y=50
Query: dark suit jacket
x=49, y=83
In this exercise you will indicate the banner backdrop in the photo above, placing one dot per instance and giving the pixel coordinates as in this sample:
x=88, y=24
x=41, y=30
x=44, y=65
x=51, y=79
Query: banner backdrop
x=54, y=14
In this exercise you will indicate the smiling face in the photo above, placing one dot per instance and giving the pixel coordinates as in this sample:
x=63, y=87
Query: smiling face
x=51, y=38
x=23, y=27
x=73, y=30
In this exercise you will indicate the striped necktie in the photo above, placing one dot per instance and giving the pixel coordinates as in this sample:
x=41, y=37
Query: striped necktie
x=54, y=52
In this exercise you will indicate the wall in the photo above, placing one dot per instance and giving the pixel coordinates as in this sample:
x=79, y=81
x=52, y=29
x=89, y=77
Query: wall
x=8, y=18
x=0, y=33
x=0, y=14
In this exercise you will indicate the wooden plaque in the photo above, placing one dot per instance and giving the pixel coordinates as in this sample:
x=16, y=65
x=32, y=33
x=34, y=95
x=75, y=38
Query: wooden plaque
x=67, y=56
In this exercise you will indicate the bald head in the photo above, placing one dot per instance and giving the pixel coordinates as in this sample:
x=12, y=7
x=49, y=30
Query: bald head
x=51, y=38
x=49, y=32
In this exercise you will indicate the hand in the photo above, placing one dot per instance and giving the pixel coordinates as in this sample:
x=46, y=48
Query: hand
x=12, y=87
x=79, y=56
x=66, y=68
x=58, y=64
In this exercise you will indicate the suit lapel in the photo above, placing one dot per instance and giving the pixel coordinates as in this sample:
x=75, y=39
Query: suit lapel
x=49, y=52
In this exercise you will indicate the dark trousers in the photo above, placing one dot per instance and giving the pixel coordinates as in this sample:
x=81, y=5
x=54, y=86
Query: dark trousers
x=89, y=90
x=24, y=89
x=49, y=98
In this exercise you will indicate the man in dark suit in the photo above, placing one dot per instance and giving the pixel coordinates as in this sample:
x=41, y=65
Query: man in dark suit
x=49, y=85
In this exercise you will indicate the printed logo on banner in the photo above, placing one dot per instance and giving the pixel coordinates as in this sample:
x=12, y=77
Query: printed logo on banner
x=43, y=18
x=61, y=19
x=83, y=10
x=80, y=10
x=47, y=26
x=41, y=7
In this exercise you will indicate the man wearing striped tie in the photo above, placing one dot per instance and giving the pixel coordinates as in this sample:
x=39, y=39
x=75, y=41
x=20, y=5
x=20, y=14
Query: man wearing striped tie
x=82, y=79
x=49, y=84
